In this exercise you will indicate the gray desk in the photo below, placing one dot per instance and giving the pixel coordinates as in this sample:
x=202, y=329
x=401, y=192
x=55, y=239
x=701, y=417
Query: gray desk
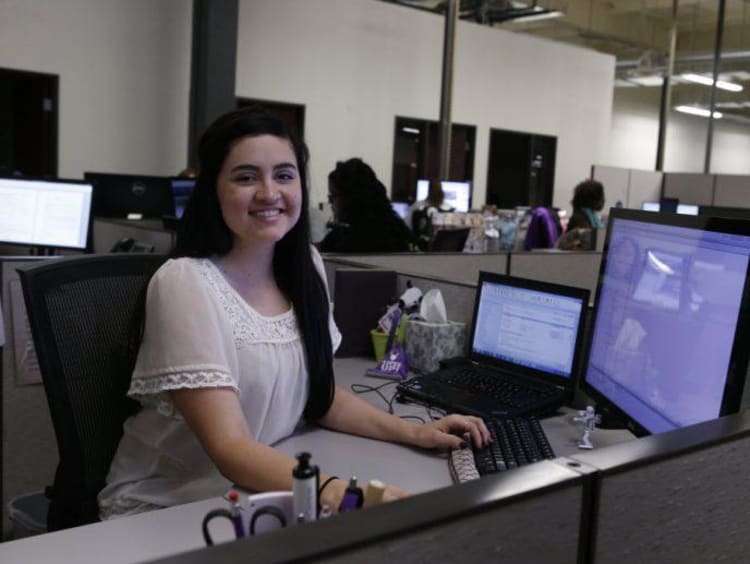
x=177, y=529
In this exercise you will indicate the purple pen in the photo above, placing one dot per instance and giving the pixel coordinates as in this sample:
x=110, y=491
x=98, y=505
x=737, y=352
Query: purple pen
x=235, y=509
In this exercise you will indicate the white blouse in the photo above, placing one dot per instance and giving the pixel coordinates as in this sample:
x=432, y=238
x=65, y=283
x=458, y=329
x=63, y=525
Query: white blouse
x=200, y=333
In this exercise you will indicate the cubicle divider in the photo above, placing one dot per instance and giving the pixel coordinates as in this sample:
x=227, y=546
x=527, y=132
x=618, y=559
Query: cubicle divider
x=674, y=497
x=571, y=268
x=529, y=515
x=456, y=267
x=29, y=449
x=680, y=496
x=630, y=187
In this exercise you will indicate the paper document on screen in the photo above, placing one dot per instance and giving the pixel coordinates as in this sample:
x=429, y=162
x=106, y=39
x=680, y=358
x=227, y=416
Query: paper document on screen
x=27, y=367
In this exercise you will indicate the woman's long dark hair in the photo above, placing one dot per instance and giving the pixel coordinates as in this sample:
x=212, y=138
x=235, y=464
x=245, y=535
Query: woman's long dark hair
x=202, y=232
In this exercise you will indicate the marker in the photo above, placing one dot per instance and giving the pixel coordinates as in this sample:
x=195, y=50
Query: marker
x=374, y=493
x=236, y=511
x=353, y=497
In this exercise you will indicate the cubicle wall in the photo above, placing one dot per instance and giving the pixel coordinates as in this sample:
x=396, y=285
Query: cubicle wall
x=677, y=497
x=529, y=515
x=571, y=268
x=630, y=187
x=29, y=449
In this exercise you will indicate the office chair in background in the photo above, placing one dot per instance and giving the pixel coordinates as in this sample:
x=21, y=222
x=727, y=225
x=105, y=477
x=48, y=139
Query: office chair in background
x=80, y=312
x=449, y=240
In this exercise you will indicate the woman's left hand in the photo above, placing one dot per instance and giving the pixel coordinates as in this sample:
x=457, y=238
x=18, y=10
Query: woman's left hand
x=448, y=432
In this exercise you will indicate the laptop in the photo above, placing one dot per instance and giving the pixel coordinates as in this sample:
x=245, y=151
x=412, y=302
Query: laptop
x=526, y=348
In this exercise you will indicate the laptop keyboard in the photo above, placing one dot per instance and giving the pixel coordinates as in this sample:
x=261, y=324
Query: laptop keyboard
x=486, y=384
x=516, y=441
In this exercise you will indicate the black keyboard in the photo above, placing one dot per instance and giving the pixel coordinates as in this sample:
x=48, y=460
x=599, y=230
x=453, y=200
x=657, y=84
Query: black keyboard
x=515, y=442
x=488, y=385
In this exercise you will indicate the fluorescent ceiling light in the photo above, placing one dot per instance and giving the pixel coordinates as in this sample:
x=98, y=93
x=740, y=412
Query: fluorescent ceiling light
x=708, y=81
x=647, y=80
x=695, y=111
x=410, y=130
x=542, y=15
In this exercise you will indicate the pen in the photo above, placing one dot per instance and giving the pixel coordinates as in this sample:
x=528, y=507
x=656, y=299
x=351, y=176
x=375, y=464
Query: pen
x=235, y=510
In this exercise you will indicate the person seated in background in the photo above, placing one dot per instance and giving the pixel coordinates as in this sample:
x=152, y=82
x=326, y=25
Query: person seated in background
x=588, y=202
x=363, y=219
x=422, y=213
x=237, y=338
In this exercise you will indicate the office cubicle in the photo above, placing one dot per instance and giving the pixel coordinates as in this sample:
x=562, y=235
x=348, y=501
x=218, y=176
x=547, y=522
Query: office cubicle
x=571, y=268
x=529, y=515
x=29, y=449
x=732, y=191
x=676, y=497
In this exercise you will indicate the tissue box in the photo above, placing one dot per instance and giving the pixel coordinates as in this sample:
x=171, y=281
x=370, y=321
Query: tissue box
x=429, y=343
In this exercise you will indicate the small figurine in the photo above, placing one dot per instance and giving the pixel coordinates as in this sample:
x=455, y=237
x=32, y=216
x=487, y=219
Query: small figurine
x=589, y=419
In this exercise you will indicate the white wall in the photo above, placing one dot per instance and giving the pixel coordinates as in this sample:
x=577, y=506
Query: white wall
x=124, y=70
x=635, y=126
x=357, y=64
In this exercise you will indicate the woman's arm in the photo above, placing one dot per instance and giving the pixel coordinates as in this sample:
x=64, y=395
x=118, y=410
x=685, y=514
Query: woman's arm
x=351, y=414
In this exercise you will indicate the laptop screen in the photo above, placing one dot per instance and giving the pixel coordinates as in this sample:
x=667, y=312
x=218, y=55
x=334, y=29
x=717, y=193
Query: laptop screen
x=521, y=323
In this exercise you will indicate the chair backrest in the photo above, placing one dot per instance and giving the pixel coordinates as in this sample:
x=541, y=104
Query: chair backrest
x=450, y=240
x=81, y=311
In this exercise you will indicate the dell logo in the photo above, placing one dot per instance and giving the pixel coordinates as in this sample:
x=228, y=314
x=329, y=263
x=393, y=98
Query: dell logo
x=138, y=189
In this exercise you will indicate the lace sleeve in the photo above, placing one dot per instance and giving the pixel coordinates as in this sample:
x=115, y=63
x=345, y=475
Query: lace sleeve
x=187, y=340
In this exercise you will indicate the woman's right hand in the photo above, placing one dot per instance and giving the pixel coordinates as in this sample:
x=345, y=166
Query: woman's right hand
x=333, y=493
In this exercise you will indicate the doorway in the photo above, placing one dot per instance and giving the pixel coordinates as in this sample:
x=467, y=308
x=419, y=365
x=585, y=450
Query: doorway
x=28, y=123
x=293, y=115
x=520, y=169
x=416, y=155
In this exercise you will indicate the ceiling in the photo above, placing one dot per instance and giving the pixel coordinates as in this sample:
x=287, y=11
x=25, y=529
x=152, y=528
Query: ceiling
x=637, y=33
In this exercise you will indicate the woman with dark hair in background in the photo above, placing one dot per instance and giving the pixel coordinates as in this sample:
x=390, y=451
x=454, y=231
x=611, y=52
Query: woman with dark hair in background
x=588, y=201
x=364, y=220
x=238, y=339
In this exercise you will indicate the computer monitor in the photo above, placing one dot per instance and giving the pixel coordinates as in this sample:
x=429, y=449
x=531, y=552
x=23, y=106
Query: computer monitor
x=688, y=209
x=45, y=213
x=401, y=208
x=650, y=206
x=130, y=196
x=457, y=194
x=181, y=190
x=670, y=326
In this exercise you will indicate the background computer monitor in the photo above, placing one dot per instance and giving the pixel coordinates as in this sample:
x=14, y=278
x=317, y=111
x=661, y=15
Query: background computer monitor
x=130, y=195
x=670, y=324
x=457, y=194
x=181, y=190
x=45, y=213
x=688, y=209
x=650, y=206
x=401, y=208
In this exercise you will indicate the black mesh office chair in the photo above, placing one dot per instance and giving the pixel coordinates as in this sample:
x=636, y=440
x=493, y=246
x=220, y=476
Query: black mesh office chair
x=80, y=311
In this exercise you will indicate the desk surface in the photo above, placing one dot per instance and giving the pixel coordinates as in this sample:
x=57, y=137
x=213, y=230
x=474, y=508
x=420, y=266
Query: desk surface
x=177, y=529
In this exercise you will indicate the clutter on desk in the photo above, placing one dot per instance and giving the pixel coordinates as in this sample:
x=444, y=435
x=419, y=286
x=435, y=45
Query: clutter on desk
x=392, y=362
x=259, y=514
x=431, y=336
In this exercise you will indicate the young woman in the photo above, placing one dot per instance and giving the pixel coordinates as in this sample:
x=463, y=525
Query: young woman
x=588, y=202
x=238, y=338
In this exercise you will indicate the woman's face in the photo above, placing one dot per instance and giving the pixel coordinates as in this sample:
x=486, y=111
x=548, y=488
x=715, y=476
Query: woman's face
x=259, y=190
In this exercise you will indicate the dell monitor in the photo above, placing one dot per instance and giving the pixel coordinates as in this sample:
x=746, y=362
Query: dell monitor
x=129, y=196
x=457, y=194
x=670, y=325
x=45, y=213
x=181, y=190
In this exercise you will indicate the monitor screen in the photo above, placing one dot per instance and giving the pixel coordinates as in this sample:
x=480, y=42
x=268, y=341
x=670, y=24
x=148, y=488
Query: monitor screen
x=130, y=196
x=650, y=206
x=670, y=327
x=45, y=213
x=457, y=194
x=687, y=209
x=181, y=190
x=401, y=208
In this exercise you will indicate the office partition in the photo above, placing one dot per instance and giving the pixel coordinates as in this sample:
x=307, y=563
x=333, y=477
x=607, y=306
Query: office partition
x=732, y=190
x=616, y=182
x=530, y=515
x=689, y=188
x=644, y=186
x=572, y=268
